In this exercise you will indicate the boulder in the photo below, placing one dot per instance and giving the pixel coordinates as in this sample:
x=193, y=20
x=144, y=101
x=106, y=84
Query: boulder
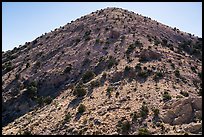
x=197, y=103
x=194, y=128
x=182, y=111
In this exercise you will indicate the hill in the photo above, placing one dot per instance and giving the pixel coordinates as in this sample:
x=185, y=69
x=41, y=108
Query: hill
x=110, y=72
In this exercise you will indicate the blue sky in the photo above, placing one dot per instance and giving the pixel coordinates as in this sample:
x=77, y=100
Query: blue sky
x=24, y=21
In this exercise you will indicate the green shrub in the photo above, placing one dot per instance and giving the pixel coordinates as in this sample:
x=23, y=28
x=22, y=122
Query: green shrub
x=143, y=74
x=79, y=91
x=67, y=117
x=44, y=100
x=158, y=75
x=124, y=126
x=127, y=68
x=166, y=96
x=138, y=67
x=17, y=76
x=134, y=116
x=200, y=75
x=87, y=38
x=40, y=101
x=97, y=41
x=86, y=35
x=156, y=111
x=173, y=65
x=81, y=108
x=130, y=48
x=28, y=65
x=77, y=41
x=117, y=94
x=157, y=42
x=144, y=111
x=95, y=83
x=143, y=131
x=184, y=93
x=193, y=69
x=8, y=66
x=177, y=73
x=88, y=53
x=108, y=91
x=111, y=62
x=32, y=89
x=47, y=100
x=200, y=92
x=37, y=64
x=87, y=76
x=68, y=69
x=27, y=132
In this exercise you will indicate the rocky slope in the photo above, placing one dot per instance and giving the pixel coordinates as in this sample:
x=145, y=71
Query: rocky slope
x=110, y=72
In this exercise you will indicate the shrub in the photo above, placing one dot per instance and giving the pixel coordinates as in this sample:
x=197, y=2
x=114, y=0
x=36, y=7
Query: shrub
x=127, y=68
x=166, y=96
x=164, y=42
x=108, y=91
x=87, y=76
x=81, y=108
x=32, y=91
x=124, y=126
x=8, y=66
x=68, y=69
x=200, y=92
x=87, y=38
x=138, y=67
x=27, y=132
x=47, y=100
x=156, y=111
x=95, y=83
x=111, y=62
x=143, y=131
x=79, y=91
x=44, y=100
x=77, y=41
x=40, y=101
x=130, y=49
x=184, y=93
x=97, y=41
x=144, y=111
x=17, y=76
x=134, y=116
x=200, y=75
x=193, y=69
x=158, y=76
x=177, y=73
x=117, y=94
x=173, y=65
x=67, y=117
x=28, y=65
x=86, y=35
x=104, y=75
x=37, y=64
x=133, y=46
x=143, y=74
x=156, y=42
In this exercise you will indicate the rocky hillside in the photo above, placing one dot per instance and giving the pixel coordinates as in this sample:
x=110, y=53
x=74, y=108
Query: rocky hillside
x=110, y=72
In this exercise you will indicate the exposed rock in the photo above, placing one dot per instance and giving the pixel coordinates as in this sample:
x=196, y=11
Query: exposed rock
x=197, y=103
x=194, y=127
x=182, y=111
